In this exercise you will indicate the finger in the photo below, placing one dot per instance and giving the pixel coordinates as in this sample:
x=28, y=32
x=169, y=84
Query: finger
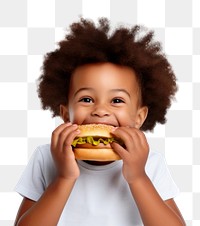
x=70, y=137
x=140, y=139
x=134, y=139
x=66, y=137
x=120, y=150
x=128, y=136
x=143, y=139
x=56, y=133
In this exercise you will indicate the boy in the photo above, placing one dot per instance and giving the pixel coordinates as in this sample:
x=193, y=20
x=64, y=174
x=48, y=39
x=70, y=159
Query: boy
x=119, y=79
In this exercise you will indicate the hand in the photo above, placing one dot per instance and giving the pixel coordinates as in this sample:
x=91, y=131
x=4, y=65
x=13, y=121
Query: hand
x=62, y=153
x=135, y=153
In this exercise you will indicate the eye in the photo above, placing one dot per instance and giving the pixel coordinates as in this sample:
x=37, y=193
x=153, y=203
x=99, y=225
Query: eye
x=117, y=101
x=86, y=100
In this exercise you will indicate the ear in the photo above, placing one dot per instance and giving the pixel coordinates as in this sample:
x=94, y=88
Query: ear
x=64, y=113
x=141, y=116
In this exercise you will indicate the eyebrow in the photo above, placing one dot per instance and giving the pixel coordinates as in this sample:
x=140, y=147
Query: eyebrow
x=112, y=90
x=121, y=90
x=83, y=89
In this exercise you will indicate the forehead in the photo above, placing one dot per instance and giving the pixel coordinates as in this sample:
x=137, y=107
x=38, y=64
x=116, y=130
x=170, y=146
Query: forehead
x=104, y=76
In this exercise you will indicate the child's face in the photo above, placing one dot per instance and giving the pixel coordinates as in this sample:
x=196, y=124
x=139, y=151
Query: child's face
x=104, y=93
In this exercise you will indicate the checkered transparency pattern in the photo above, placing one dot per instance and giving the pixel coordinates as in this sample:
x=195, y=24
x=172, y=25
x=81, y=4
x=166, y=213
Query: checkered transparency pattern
x=29, y=29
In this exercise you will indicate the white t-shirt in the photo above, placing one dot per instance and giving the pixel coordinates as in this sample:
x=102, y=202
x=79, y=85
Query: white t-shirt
x=101, y=196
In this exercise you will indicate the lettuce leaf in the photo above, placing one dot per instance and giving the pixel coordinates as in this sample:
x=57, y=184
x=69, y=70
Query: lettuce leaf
x=93, y=140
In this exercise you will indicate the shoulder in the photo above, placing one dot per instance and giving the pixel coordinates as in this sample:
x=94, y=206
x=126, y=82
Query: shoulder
x=43, y=149
x=155, y=163
x=43, y=158
x=38, y=174
x=158, y=172
x=42, y=153
x=41, y=161
x=154, y=157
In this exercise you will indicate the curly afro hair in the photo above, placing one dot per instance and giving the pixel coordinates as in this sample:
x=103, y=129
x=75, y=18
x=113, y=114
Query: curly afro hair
x=133, y=47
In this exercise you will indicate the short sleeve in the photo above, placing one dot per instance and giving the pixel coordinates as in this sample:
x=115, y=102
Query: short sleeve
x=158, y=172
x=31, y=183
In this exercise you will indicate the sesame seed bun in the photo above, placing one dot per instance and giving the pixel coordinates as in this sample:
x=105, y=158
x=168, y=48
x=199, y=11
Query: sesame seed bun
x=99, y=130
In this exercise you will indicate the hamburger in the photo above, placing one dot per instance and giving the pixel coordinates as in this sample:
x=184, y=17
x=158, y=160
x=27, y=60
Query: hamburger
x=93, y=143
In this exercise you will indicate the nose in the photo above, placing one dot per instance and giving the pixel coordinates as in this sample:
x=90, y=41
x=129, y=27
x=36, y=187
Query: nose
x=101, y=110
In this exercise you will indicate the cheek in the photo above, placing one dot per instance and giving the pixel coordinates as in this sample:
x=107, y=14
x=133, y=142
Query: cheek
x=125, y=118
x=72, y=114
x=76, y=115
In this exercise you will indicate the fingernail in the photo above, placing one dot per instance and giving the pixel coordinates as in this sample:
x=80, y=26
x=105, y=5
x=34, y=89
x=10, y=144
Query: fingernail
x=68, y=123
